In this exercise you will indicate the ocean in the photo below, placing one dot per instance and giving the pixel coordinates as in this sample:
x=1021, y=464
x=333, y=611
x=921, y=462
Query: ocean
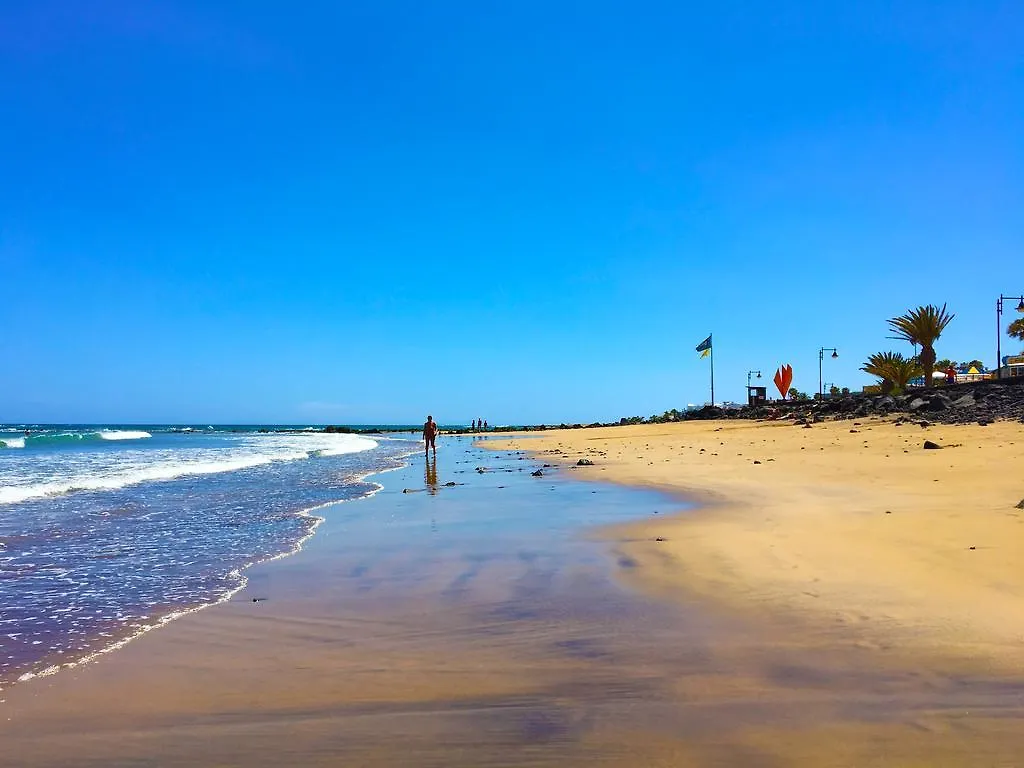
x=109, y=531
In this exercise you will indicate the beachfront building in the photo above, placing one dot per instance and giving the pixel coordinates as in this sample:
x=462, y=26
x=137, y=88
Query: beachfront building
x=1012, y=367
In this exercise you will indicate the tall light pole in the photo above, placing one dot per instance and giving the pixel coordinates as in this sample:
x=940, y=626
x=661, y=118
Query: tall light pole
x=821, y=356
x=999, y=329
x=749, y=374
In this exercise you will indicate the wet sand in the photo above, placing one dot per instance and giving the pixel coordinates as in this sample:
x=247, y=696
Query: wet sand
x=852, y=521
x=490, y=623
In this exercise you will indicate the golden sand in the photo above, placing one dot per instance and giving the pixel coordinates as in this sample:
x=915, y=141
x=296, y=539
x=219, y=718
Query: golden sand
x=844, y=523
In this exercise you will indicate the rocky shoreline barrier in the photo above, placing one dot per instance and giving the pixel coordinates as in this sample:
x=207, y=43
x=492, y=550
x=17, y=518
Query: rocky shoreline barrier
x=969, y=403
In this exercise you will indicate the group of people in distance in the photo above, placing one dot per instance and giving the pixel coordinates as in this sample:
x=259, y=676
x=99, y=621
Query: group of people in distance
x=479, y=424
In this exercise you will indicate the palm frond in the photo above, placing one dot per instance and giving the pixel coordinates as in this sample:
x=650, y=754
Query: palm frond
x=893, y=367
x=922, y=325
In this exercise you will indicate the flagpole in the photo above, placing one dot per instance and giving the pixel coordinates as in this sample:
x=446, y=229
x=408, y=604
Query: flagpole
x=712, y=374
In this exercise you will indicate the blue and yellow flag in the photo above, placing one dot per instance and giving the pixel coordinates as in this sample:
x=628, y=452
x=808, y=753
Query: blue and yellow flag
x=705, y=347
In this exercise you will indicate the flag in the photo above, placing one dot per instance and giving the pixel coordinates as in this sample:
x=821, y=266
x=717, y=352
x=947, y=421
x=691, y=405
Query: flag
x=705, y=347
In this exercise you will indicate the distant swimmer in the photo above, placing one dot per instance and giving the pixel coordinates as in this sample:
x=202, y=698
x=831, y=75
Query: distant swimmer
x=430, y=435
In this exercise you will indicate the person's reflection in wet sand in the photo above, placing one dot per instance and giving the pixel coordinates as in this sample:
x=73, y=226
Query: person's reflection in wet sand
x=430, y=479
x=430, y=475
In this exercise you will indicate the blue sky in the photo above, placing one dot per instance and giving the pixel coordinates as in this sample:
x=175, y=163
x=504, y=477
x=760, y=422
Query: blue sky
x=523, y=211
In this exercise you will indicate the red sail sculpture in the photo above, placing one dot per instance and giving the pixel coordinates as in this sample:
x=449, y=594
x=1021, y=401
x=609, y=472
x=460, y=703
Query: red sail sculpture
x=783, y=379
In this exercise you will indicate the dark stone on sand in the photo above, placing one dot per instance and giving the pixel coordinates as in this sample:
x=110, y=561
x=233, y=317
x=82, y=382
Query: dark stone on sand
x=1021, y=504
x=756, y=461
x=973, y=547
x=481, y=470
x=930, y=446
x=449, y=484
x=538, y=473
x=584, y=463
x=854, y=431
x=659, y=538
x=259, y=599
x=939, y=402
x=983, y=422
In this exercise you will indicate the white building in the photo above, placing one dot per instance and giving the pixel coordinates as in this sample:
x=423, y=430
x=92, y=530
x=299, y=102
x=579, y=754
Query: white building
x=1014, y=367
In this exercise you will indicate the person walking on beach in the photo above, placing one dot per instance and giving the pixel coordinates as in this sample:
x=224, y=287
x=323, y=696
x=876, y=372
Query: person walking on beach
x=430, y=435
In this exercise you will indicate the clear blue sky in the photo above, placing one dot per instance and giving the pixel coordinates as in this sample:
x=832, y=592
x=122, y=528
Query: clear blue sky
x=524, y=211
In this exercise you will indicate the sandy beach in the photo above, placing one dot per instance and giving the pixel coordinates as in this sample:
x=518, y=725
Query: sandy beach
x=820, y=608
x=851, y=523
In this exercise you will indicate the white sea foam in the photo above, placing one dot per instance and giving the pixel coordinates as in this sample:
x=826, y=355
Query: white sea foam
x=107, y=471
x=240, y=581
x=123, y=434
x=12, y=442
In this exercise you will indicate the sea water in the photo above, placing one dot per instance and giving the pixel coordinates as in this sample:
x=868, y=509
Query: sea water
x=107, y=531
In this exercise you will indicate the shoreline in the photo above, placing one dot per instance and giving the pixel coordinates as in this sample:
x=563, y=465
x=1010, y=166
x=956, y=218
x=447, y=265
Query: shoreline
x=493, y=623
x=270, y=664
x=118, y=643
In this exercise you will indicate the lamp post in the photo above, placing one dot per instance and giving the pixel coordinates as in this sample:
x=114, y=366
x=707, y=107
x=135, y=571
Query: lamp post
x=821, y=356
x=999, y=329
x=750, y=398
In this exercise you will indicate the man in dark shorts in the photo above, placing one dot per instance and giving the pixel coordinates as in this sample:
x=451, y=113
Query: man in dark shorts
x=430, y=435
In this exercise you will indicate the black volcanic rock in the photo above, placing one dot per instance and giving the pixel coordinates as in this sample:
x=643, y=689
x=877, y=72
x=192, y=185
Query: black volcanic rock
x=979, y=402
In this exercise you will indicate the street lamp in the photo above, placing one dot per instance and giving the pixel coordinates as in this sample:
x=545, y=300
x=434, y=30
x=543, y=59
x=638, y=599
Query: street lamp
x=821, y=356
x=749, y=374
x=999, y=329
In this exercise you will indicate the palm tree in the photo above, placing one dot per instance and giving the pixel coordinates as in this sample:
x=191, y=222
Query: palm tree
x=923, y=326
x=893, y=369
x=1016, y=329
